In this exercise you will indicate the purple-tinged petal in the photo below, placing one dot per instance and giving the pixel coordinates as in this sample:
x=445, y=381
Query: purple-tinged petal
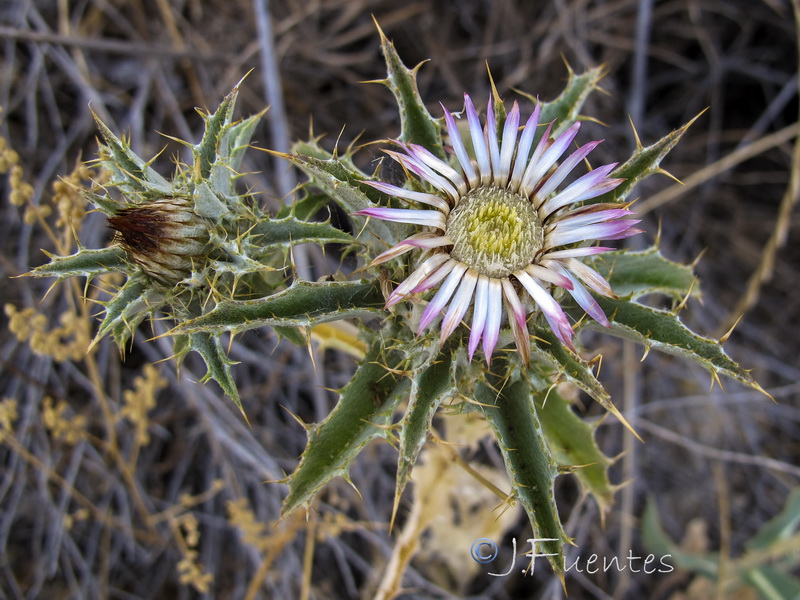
x=589, y=304
x=429, y=218
x=590, y=277
x=545, y=274
x=624, y=234
x=428, y=240
x=418, y=240
x=524, y=148
x=564, y=169
x=478, y=141
x=459, y=149
x=426, y=268
x=517, y=321
x=494, y=312
x=423, y=171
x=429, y=199
x=508, y=144
x=459, y=305
x=590, y=185
x=544, y=143
x=551, y=310
x=491, y=137
x=539, y=166
x=435, y=163
x=517, y=310
x=575, y=252
x=434, y=278
x=598, y=231
x=586, y=301
x=478, y=314
x=572, y=221
x=441, y=298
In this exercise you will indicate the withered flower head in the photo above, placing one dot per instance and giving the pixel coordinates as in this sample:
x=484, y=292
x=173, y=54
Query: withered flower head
x=166, y=238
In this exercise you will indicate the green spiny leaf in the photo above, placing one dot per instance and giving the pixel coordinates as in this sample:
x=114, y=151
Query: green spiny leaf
x=105, y=204
x=365, y=409
x=664, y=331
x=84, y=262
x=571, y=441
x=344, y=188
x=304, y=208
x=637, y=274
x=207, y=204
x=218, y=365
x=416, y=123
x=509, y=408
x=130, y=170
x=642, y=163
x=205, y=152
x=428, y=389
x=133, y=302
x=303, y=304
x=235, y=140
x=546, y=346
x=293, y=334
x=271, y=233
x=566, y=108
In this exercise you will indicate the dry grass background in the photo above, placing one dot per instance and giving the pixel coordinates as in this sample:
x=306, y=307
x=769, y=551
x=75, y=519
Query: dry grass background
x=90, y=509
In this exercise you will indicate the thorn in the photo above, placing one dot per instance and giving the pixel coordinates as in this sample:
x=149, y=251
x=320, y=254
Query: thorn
x=662, y=171
x=627, y=425
x=378, y=27
x=366, y=221
x=395, y=505
x=725, y=337
x=380, y=81
x=683, y=302
x=757, y=387
x=495, y=95
x=646, y=352
x=635, y=134
x=246, y=420
x=302, y=423
x=696, y=261
x=547, y=395
x=657, y=242
x=51, y=288
x=599, y=360
x=570, y=72
x=413, y=72
x=715, y=378
x=346, y=477
x=311, y=352
x=335, y=152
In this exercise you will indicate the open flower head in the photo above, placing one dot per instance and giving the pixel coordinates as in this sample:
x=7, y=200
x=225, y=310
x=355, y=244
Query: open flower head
x=498, y=233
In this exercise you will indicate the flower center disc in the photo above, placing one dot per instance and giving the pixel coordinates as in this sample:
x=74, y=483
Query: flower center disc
x=494, y=231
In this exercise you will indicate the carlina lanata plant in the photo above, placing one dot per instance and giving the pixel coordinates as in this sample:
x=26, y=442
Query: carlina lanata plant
x=494, y=230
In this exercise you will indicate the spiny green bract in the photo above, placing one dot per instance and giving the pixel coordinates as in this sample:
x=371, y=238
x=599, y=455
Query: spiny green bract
x=189, y=244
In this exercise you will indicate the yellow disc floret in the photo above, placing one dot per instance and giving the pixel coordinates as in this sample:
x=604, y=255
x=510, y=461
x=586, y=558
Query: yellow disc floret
x=494, y=231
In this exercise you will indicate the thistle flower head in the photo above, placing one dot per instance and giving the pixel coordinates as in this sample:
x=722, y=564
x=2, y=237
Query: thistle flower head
x=166, y=238
x=498, y=232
